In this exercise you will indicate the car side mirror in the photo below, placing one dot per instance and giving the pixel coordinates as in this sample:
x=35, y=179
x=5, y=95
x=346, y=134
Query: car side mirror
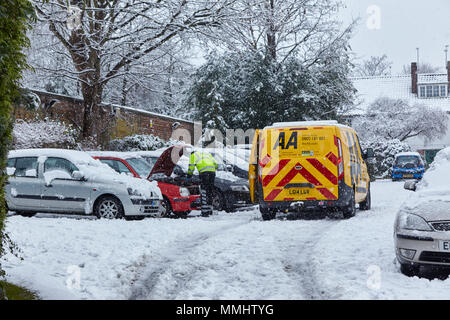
x=369, y=154
x=77, y=175
x=410, y=185
x=229, y=168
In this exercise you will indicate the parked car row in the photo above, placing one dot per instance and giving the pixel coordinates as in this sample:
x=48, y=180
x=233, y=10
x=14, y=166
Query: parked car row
x=67, y=181
x=111, y=184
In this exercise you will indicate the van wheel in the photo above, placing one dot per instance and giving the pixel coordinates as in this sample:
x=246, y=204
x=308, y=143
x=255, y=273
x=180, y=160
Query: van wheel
x=350, y=210
x=26, y=214
x=267, y=214
x=109, y=207
x=366, y=204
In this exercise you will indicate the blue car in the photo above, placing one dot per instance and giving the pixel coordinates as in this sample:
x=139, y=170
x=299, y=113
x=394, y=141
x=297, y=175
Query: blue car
x=408, y=165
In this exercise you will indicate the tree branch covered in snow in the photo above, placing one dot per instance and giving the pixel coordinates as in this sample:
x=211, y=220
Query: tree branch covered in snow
x=105, y=40
x=395, y=119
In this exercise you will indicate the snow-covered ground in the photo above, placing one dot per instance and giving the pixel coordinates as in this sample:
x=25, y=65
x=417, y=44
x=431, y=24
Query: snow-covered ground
x=227, y=256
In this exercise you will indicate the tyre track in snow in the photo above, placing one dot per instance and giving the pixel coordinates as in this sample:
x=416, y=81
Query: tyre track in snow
x=299, y=262
x=167, y=261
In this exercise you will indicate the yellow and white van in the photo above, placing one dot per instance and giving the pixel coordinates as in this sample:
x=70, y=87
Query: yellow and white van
x=308, y=165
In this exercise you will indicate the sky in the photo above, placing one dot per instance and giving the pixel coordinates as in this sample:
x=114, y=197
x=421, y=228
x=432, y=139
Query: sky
x=397, y=27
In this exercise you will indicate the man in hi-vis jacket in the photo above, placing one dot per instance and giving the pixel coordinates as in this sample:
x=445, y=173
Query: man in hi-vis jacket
x=206, y=166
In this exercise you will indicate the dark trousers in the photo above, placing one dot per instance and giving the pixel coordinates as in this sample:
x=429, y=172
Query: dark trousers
x=207, y=189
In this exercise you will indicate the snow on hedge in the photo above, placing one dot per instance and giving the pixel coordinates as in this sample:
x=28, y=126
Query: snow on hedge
x=140, y=142
x=43, y=134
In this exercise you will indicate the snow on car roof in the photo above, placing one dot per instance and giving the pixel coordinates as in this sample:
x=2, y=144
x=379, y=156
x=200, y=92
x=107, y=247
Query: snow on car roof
x=77, y=157
x=435, y=181
x=323, y=123
x=408, y=154
x=115, y=154
x=93, y=169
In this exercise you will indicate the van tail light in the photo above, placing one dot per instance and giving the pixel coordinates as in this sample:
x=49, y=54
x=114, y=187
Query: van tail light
x=340, y=160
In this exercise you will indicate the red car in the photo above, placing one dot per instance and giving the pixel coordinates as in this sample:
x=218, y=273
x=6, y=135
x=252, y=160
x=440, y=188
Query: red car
x=179, y=198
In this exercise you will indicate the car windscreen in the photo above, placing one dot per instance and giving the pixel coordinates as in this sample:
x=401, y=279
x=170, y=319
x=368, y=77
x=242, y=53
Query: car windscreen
x=142, y=167
x=407, y=161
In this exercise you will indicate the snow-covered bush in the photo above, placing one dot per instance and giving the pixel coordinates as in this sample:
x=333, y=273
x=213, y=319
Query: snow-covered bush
x=385, y=151
x=140, y=142
x=43, y=134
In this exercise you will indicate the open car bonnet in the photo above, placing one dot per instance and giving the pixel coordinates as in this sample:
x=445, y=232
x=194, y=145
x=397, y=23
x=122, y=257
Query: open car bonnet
x=167, y=161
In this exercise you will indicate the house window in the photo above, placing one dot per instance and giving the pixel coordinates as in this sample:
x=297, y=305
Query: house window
x=422, y=92
x=433, y=91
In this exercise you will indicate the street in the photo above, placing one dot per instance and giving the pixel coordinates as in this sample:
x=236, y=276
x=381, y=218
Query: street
x=226, y=256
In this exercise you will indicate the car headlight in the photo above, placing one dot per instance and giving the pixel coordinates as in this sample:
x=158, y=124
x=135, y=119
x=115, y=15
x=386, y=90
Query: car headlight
x=184, y=192
x=135, y=193
x=239, y=188
x=409, y=221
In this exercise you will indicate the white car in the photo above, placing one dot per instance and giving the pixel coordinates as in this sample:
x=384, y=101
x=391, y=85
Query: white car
x=422, y=226
x=68, y=181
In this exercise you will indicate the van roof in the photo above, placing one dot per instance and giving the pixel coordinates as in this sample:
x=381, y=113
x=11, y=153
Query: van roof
x=324, y=123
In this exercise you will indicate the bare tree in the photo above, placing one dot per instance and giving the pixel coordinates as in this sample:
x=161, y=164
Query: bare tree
x=107, y=39
x=422, y=68
x=374, y=66
x=280, y=29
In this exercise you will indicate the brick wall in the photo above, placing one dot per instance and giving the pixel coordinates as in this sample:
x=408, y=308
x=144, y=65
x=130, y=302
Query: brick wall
x=116, y=121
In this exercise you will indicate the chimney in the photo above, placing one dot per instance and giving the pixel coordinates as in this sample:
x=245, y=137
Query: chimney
x=414, y=78
x=448, y=74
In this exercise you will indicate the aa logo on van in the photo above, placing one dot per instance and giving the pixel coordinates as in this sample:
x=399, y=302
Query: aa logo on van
x=285, y=144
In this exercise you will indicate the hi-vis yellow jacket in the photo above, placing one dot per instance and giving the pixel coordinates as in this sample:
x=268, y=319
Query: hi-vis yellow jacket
x=204, y=162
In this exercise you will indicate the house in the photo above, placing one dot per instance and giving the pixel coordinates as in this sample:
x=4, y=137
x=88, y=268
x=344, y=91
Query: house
x=432, y=90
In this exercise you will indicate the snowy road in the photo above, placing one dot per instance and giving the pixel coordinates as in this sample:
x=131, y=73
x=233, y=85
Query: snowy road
x=227, y=256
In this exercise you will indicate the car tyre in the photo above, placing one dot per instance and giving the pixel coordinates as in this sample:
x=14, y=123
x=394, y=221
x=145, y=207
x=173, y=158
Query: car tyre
x=218, y=201
x=109, y=207
x=26, y=214
x=367, y=203
x=409, y=270
x=350, y=210
x=166, y=208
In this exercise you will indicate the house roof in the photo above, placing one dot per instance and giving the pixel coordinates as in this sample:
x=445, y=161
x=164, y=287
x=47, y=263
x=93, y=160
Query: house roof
x=395, y=87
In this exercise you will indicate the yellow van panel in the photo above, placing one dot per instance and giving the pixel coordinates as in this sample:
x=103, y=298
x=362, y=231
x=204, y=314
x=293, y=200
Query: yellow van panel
x=299, y=164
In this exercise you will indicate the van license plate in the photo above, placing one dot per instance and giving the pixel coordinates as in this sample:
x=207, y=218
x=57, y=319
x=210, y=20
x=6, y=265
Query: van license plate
x=444, y=245
x=299, y=192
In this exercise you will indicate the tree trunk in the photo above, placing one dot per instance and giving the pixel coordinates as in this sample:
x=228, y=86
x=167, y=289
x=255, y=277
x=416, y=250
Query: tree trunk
x=91, y=122
x=271, y=32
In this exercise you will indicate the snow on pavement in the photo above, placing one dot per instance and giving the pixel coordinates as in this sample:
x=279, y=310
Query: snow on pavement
x=227, y=256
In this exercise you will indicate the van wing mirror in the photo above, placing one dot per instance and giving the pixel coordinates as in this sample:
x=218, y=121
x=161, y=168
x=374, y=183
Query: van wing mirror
x=410, y=185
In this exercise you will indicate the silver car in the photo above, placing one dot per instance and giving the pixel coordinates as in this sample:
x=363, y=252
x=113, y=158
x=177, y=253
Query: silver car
x=422, y=226
x=67, y=181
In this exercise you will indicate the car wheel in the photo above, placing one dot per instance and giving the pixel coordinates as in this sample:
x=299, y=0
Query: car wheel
x=26, y=214
x=166, y=208
x=409, y=270
x=218, y=201
x=366, y=204
x=267, y=214
x=350, y=210
x=109, y=208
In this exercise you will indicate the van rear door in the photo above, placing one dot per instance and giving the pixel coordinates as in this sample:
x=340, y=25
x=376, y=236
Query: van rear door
x=300, y=164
